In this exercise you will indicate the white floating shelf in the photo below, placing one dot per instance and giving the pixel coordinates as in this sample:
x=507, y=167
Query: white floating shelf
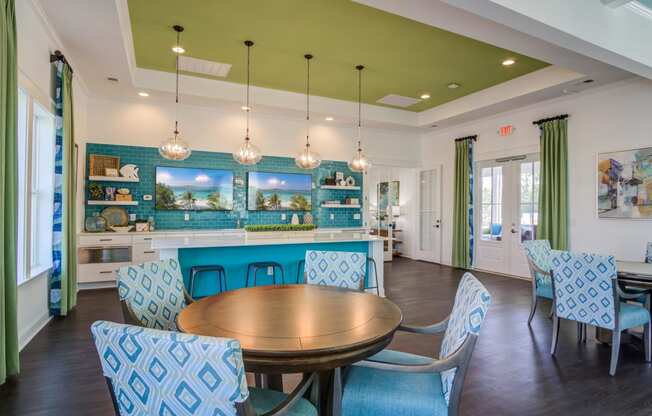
x=112, y=179
x=112, y=202
x=344, y=188
x=339, y=206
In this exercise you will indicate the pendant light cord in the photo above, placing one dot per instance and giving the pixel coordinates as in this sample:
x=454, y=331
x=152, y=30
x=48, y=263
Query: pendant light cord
x=176, y=107
x=359, y=68
x=308, y=58
x=249, y=44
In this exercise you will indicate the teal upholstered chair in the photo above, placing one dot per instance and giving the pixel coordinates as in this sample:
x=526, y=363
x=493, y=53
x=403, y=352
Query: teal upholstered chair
x=336, y=268
x=152, y=294
x=648, y=253
x=538, y=258
x=586, y=291
x=396, y=383
x=153, y=372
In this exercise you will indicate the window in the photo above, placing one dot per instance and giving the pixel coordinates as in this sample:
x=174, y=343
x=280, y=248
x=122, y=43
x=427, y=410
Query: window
x=491, y=197
x=529, y=200
x=35, y=148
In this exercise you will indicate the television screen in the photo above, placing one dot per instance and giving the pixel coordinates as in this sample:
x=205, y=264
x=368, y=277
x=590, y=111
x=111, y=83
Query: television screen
x=194, y=189
x=279, y=192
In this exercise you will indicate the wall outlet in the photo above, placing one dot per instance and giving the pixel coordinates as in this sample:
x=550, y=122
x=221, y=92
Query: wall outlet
x=186, y=217
x=147, y=197
x=332, y=217
x=284, y=217
x=356, y=216
x=132, y=217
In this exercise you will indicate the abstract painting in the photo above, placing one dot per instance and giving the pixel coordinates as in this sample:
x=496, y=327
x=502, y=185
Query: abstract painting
x=625, y=184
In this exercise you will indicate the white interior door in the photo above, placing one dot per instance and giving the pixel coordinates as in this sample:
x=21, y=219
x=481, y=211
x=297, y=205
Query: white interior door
x=506, y=195
x=429, y=234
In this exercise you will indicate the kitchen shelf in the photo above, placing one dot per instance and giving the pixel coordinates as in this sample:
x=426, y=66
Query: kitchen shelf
x=339, y=206
x=112, y=179
x=343, y=188
x=112, y=203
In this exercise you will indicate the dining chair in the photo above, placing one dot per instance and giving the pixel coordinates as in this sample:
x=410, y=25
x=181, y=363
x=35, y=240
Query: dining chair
x=152, y=294
x=537, y=253
x=336, y=268
x=586, y=291
x=155, y=372
x=397, y=383
x=648, y=253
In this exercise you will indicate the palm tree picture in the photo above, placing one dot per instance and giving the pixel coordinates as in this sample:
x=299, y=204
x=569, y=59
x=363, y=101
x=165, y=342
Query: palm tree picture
x=193, y=189
x=269, y=191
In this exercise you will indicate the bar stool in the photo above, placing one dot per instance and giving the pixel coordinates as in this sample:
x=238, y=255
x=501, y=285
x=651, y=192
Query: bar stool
x=302, y=264
x=370, y=261
x=264, y=265
x=196, y=270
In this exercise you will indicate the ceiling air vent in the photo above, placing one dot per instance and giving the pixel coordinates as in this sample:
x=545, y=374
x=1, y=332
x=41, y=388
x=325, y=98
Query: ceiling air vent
x=201, y=66
x=398, y=100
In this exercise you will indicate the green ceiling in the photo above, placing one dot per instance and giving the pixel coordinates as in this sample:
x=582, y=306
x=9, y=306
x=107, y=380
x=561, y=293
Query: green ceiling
x=402, y=56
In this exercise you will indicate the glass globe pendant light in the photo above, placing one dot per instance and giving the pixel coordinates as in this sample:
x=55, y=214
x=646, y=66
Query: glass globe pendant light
x=308, y=158
x=175, y=148
x=247, y=153
x=359, y=163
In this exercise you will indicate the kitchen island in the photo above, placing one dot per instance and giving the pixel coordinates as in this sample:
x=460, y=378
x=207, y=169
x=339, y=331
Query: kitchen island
x=235, y=250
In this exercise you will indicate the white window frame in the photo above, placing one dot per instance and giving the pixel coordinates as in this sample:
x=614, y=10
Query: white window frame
x=27, y=268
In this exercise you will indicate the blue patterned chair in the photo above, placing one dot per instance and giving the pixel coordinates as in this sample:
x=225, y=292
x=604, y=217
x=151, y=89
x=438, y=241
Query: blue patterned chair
x=336, y=268
x=586, y=291
x=152, y=294
x=153, y=372
x=396, y=383
x=538, y=258
x=648, y=253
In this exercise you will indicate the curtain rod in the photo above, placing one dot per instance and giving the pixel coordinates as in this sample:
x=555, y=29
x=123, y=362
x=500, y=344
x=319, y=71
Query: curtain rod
x=543, y=120
x=474, y=138
x=58, y=56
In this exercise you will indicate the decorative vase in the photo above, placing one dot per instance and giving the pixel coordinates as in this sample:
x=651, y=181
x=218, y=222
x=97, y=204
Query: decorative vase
x=307, y=218
x=295, y=219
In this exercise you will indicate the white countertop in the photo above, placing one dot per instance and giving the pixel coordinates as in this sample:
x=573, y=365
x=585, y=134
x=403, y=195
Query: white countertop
x=636, y=268
x=261, y=239
x=208, y=231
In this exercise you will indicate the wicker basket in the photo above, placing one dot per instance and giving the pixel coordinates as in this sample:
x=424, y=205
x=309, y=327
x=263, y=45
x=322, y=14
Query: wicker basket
x=99, y=164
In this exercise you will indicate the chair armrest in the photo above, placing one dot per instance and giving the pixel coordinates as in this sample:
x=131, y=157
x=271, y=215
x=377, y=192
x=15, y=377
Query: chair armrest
x=435, y=366
x=630, y=295
x=286, y=405
x=128, y=314
x=538, y=269
x=430, y=329
x=187, y=297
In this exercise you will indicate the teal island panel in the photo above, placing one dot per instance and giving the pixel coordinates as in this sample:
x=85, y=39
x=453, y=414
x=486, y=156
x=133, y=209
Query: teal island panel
x=235, y=261
x=148, y=158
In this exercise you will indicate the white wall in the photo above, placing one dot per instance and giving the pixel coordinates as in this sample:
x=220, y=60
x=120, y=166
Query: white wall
x=35, y=43
x=615, y=117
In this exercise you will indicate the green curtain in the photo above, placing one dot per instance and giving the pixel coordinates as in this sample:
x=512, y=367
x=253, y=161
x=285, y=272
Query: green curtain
x=553, y=195
x=8, y=190
x=63, y=279
x=463, y=204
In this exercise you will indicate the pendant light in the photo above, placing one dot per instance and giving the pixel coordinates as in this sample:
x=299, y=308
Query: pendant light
x=175, y=148
x=359, y=163
x=247, y=153
x=308, y=159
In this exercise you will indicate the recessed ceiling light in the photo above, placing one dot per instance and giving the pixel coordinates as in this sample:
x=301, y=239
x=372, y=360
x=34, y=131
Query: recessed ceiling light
x=509, y=62
x=588, y=81
x=453, y=85
x=143, y=94
x=245, y=108
x=425, y=96
x=434, y=126
x=329, y=119
x=178, y=49
x=112, y=79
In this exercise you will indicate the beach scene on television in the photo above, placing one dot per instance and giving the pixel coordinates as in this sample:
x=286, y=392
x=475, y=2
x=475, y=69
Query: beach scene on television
x=194, y=189
x=279, y=192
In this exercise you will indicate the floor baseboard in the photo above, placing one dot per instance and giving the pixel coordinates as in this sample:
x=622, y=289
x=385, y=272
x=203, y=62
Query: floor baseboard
x=28, y=334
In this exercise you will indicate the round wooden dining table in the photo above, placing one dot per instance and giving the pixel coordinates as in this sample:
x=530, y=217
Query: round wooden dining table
x=297, y=329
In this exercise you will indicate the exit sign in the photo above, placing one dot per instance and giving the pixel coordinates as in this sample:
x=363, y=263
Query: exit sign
x=505, y=131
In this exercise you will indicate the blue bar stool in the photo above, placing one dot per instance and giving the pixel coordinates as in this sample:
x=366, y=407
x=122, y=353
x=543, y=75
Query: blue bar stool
x=264, y=265
x=370, y=261
x=302, y=264
x=196, y=270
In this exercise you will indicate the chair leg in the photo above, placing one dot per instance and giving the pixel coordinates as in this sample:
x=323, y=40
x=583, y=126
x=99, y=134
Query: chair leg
x=533, y=309
x=585, y=332
x=192, y=282
x=282, y=276
x=552, y=310
x=647, y=341
x=555, y=335
x=615, y=351
x=337, y=392
x=258, y=380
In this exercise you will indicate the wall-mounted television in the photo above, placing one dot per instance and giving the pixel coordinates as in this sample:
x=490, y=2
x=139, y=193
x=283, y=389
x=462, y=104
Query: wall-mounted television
x=279, y=191
x=193, y=189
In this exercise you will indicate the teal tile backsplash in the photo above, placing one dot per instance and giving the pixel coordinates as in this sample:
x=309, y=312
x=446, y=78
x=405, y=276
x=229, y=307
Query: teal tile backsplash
x=148, y=158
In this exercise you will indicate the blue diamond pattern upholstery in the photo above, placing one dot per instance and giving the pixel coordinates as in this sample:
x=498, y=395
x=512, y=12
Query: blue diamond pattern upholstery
x=336, y=268
x=469, y=310
x=155, y=372
x=370, y=391
x=584, y=290
x=648, y=253
x=538, y=251
x=154, y=291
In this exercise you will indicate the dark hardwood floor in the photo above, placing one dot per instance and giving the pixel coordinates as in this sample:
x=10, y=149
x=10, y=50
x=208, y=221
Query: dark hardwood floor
x=512, y=372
